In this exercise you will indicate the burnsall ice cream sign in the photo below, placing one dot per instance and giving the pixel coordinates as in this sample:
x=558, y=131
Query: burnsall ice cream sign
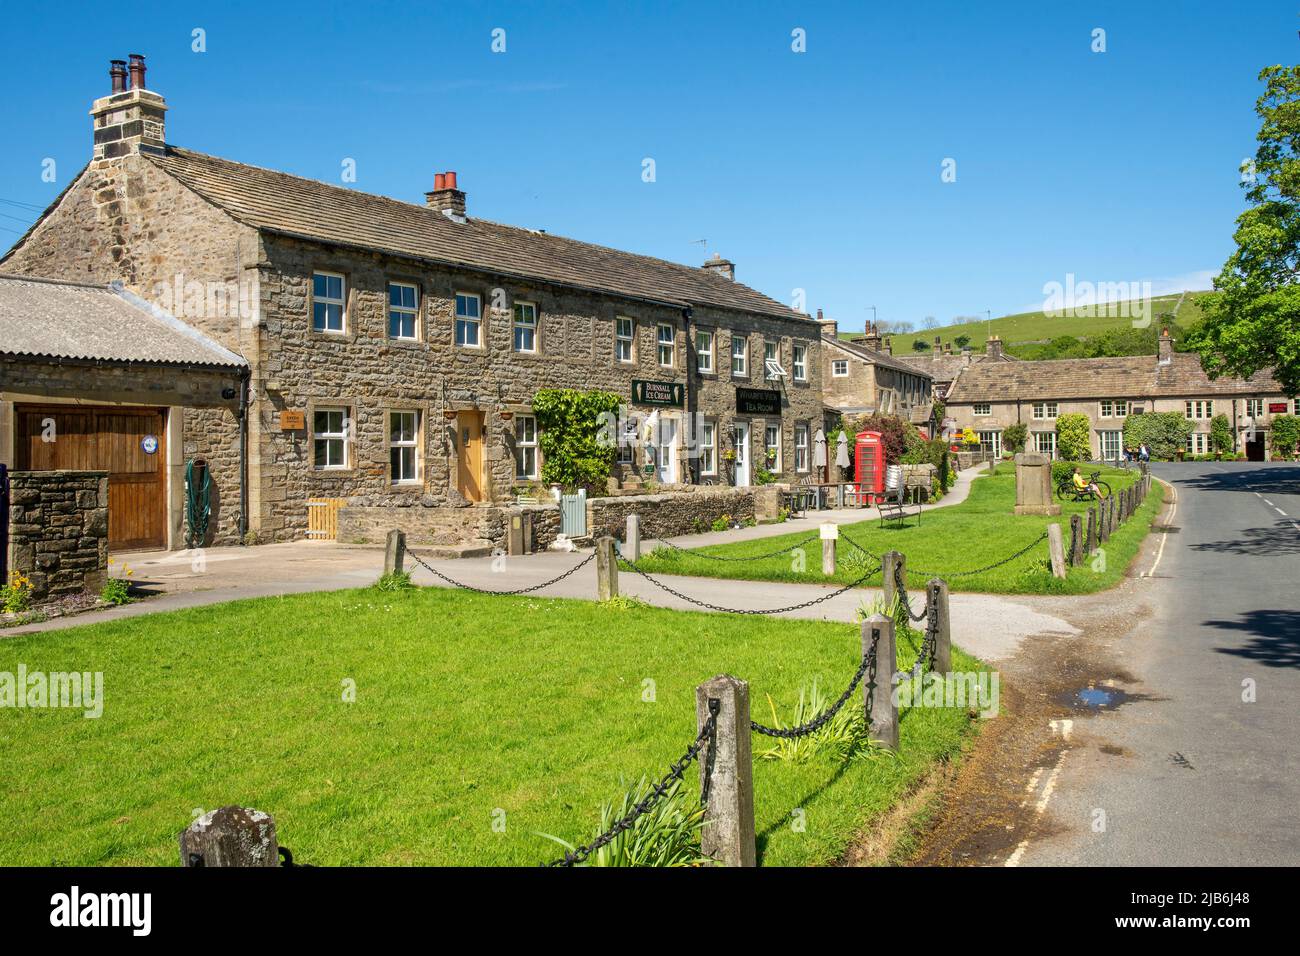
x=671, y=394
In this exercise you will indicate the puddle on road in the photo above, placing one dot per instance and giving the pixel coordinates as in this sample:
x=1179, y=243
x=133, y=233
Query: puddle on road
x=1096, y=698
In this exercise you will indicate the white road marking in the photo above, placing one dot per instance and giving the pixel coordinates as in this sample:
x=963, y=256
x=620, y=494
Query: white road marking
x=1279, y=511
x=1063, y=728
x=1269, y=503
x=1160, y=552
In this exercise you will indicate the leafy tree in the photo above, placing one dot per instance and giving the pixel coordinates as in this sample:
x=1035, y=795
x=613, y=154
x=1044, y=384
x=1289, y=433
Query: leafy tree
x=1252, y=319
x=1014, y=437
x=570, y=424
x=920, y=345
x=1221, y=433
x=1073, y=437
x=1284, y=435
x=1164, y=433
x=961, y=341
x=894, y=433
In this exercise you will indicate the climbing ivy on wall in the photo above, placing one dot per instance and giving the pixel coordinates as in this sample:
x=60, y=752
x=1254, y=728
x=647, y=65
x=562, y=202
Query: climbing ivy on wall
x=571, y=424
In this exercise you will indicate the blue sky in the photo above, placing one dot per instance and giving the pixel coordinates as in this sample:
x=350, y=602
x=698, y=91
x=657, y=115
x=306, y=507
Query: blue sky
x=817, y=171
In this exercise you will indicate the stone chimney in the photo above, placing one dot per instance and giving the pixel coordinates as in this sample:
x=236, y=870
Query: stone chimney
x=937, y=349
x=130, y=117
x=445, y=197
x=872, y=339
x=965, y=354
x=720, y=266
x=888, y=347
x=947, y=349
x=830, y=328
x=993, y=347
x=1166, y=348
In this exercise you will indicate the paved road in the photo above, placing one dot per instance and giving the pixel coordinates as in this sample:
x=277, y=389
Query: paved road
x=1206, y=778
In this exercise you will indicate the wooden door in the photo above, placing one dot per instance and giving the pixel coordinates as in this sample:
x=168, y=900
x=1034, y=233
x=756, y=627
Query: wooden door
x=469, y=436
x=93, y=438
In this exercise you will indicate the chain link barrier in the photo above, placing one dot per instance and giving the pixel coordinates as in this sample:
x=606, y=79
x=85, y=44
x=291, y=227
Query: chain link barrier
x=867, y=668
x=532, y=587
x=675, y=773
x=757, y=557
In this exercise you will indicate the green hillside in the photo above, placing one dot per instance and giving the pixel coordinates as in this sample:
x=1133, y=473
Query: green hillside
x=1030, y=334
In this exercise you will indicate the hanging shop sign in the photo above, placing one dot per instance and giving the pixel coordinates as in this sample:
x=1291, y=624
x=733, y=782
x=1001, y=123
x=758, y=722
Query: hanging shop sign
x=669, y=394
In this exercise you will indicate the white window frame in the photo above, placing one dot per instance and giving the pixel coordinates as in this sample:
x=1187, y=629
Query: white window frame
x=839, y=368
x=799, y=362
x=772, y=370
x=768, y=428
x=708, y=448
x=1115, y=435
x=624, y=340
x=467, y=322
x=704, y=356
x=524, y=445
x=403, y=444
x=327, y=300
x=1198, y=443
x=994, y=441
x=983, y=409
x=523, y=323
x=801, y=438
x=1048, y=439
x=1204, y=409
x=403, y=313
x=1255, y=407
x=341, y=437
x=1046, y=411
x=740, y=356
x=670, y=344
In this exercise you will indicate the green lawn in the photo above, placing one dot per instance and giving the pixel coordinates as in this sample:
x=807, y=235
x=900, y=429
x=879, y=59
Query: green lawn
x=964, y=537
x=464, y=704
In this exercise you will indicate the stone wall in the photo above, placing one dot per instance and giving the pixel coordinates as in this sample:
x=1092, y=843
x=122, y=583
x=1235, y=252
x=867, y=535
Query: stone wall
x=58, y=530
x=370, y=524
x=669, y=515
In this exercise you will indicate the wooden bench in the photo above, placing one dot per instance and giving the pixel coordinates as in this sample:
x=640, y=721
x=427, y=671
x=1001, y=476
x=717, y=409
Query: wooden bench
x=895, y=508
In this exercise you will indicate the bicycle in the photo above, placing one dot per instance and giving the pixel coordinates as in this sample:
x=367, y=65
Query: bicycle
x=1066, y=491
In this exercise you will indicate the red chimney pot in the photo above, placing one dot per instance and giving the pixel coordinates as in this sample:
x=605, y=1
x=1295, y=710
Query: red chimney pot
x=451, y=179
x=137, y=71
x=439, y=181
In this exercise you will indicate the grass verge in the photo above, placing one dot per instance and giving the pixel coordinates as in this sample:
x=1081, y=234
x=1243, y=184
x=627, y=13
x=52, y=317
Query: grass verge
x=947, y=542
x=466, y=706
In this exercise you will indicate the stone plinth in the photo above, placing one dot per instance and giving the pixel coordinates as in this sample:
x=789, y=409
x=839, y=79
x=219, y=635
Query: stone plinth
x=1034, y=485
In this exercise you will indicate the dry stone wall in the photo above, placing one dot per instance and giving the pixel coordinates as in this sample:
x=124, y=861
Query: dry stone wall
x=58, y=530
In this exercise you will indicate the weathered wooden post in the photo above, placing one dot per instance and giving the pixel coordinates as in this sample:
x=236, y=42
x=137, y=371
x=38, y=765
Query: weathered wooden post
x=727, y=769
x=1103, y=522
x=231, y=836
x=1056, y=550
x=943, y=629
x=1076, y=540
x=395, y=552
x=893, y=567
x=878, y=689
x=830, y=532
x=606, y=569
x=632, y=538
x=1090, y=537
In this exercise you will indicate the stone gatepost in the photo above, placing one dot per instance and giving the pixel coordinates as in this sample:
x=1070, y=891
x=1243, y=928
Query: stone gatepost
x=1034, y=485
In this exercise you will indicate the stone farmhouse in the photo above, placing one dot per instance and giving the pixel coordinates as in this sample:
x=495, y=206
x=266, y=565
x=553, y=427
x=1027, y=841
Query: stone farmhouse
x=392, y=349
x=989, y=396
x=861, y=377
x=943, y=365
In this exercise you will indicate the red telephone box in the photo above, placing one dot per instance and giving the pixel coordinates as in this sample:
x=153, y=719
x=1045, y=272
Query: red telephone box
x=869, y=463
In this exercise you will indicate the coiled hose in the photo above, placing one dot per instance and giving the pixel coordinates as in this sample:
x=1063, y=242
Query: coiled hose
x=198, y=504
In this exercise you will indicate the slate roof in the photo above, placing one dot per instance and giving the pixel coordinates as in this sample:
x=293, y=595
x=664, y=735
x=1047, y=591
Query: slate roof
x=47, y=318
x=875, y=357
x=944, y=368
x=291, y=205
x=1127, y=376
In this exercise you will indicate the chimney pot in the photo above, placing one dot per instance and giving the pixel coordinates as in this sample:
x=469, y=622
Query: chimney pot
x=451, y=179
x=720, y=266
x=117, y=75
x=445, y=197
x=439, y=181
x=137, y=71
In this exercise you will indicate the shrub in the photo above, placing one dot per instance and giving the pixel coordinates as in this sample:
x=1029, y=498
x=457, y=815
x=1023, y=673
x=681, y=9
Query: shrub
x=1221, y=433
x=16, y=596
x=1015, y=436
x=1285, y=435
x=896, y=435
x=1074, y=437
x=1165, y=433
x=573, y=426
x=722, y=523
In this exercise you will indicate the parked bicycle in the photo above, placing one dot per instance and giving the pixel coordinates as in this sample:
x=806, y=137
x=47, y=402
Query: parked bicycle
x=1095, y=490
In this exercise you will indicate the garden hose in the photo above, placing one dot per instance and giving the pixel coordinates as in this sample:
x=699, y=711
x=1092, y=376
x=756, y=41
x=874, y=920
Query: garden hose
x=198, y=505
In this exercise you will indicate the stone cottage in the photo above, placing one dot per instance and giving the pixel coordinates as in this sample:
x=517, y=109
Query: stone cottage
x=394, y=348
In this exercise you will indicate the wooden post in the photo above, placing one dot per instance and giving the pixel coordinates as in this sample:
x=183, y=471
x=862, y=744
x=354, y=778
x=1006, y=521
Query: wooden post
x=1090, y=537
x=231, y=836
x=632, y=539
x=1103, y=527
x=606, y=569
x=1076, y=540
x=728, y=767
x=1056, y=550
x=394, y=552
x=943, y=635
x=829, y=532
x=878, y=693
x=889, y=561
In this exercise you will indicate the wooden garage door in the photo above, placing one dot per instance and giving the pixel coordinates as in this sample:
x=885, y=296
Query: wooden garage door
x=79, y=437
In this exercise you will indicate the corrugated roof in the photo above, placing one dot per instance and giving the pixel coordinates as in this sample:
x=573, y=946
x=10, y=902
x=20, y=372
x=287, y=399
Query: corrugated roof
x=292, y=205
x=1127, y=376
x=73, y=320
x=875, y=357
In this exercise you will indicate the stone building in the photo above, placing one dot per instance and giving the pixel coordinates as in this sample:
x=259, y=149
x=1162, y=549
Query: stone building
x=990, y=396
x=860, y=376
x=395, y=348
x=943, y=365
